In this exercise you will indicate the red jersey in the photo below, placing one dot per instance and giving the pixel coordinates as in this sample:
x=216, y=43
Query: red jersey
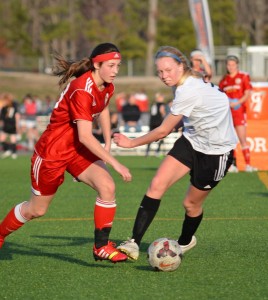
x=235, y=87
x=81, y=100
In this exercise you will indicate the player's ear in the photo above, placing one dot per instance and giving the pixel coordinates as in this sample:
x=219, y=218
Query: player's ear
x=96, y=65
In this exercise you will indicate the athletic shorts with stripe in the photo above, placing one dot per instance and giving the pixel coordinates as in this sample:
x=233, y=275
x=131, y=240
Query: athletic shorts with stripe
x=206, y=171
x=47, y=176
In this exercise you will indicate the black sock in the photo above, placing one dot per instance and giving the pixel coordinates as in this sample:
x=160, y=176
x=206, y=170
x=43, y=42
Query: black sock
x=13, y=148
x=145, y=216
x=102, y=236
x=189, y=228
x=5, y=146
x=234, y=161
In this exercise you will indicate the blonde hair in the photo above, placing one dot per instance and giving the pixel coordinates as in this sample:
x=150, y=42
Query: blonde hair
x=180, y=58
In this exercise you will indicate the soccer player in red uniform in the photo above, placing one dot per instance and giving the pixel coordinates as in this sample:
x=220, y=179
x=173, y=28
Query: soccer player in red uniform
x=68, y=144
x=236, y=84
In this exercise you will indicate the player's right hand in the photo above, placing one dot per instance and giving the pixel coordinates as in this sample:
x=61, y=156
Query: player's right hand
x=121, y=140
x=123, y=171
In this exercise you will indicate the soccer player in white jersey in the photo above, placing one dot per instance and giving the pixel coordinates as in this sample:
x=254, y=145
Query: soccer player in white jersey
x=204, y=150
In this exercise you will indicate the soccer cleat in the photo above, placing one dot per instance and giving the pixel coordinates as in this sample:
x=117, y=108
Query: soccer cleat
x=185, y=248
x=14, y=156
x=233, y=169
x=109, y=252
x=6, y=154
x=250, y=169
x=130, y=248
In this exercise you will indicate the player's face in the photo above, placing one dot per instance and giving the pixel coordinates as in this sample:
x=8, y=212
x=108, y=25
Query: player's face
x=169, y=71
x=109, y=69
x=232, y=67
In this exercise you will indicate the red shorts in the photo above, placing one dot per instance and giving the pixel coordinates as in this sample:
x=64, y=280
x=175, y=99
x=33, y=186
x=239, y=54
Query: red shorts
x=47, y=176
x=239, y=116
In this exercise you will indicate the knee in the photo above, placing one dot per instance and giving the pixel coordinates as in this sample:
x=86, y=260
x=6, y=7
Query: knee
x=107, y=191
x=157, y=184
x=191, y=207
x=34, y=211
x=39, y=212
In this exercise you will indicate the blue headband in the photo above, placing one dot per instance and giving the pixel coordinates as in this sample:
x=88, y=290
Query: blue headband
x=168, y=54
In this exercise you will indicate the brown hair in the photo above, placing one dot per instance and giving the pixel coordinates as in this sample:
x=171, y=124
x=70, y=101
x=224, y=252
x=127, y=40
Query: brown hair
x=67, y=69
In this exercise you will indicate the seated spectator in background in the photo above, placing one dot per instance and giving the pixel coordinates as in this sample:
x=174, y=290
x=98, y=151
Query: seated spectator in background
x=114, y=121
x=200, y=64
x=157, y=115
x=9, y=118
x=29, y=111
x=131, y=115
x=120, y=101
x=47, y=106
x=142, y=101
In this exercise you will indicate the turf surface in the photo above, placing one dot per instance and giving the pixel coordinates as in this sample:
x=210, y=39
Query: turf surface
x=51, y=258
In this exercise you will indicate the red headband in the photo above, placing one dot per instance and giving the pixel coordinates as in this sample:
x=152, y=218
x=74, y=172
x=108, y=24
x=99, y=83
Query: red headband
x=106, y=56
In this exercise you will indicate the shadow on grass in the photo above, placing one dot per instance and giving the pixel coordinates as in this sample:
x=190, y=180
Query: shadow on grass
x=40, y=250
x=10, y=249
x=260, y=194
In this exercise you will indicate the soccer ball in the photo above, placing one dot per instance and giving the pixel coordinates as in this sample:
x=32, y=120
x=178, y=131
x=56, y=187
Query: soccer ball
x=164, y=254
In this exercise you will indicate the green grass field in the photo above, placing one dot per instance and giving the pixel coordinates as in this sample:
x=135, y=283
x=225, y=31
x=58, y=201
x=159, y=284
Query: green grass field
x=51, y=258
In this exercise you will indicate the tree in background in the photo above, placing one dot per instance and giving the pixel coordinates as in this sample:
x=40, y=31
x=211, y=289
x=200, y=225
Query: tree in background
x=36, y=28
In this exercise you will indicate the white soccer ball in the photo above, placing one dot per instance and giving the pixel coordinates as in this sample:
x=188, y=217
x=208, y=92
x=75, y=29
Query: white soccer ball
x=164, y=254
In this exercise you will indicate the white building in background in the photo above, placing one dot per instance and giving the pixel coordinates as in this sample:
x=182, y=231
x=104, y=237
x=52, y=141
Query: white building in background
x=253, y=59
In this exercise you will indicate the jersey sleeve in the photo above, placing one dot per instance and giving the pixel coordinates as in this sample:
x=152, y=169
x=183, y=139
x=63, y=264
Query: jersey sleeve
x=81, y=106
x=183, y=103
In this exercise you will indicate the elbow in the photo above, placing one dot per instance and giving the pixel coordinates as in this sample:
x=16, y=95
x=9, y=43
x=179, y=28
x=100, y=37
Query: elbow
x=83, y=139
x=163, y=132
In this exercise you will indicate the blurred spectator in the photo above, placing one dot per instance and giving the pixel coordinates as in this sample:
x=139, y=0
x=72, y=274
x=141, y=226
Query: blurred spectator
x=47, y=106
x=39, y=105
x=114, y=122
x=142, y=101
x=29, y=111
x=9, y=118
x=131, y=115
x=157, y=115
x=120, y=101
x=200, y=64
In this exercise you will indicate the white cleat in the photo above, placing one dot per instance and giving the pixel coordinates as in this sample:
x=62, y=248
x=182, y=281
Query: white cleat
x=185, y=248
x=233, y=169
x=250, y=169
x=6, y=154
x=130, y=248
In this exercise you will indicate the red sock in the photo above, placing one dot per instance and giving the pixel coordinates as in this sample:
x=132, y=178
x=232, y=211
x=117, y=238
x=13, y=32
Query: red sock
x=13, y=221
x=104, y=213
x=246, y=154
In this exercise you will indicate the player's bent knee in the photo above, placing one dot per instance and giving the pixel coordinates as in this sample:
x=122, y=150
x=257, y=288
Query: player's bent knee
x=107, y=191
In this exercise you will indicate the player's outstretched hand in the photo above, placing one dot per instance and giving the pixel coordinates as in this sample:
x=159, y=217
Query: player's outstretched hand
x=121, y=140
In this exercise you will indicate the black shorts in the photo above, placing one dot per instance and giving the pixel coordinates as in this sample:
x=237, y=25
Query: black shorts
x=9, y=129
x=206, y=171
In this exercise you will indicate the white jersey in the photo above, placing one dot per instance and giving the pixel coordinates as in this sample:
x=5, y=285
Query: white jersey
x=208, y=124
